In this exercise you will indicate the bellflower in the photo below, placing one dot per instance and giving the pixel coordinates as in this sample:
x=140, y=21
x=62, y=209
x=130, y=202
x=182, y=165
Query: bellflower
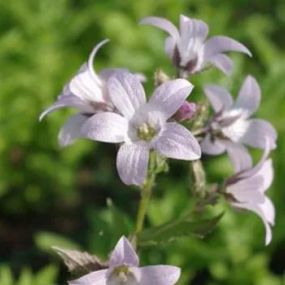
x=247, y=190
x=232, y=126
x=189, y=49
x=143, y=126
x=124, y=269
x=86, y=92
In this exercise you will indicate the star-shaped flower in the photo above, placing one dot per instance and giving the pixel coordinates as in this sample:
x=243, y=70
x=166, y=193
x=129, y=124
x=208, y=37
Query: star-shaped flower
x=86, y=92
x=247, y=189
x=231, y=126
x=143, y=126
x=124, y=269
x=189, y=49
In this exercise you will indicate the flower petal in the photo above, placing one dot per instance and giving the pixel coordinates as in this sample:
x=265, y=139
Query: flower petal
x=105, y=127
x=132, y=162
x=267, y=173
x=123, y=253
x=247, y=190
x=192, y=30
x=258, y=133
x=67, y=101
x=126, y=93
x=220, y=44
x=162, y=24
x=177, y=142
x=222, y=62
x=265, y=211
x=219, y=97
x=212, y=147
x=170, y=96
x=71, y=130
x=86, y=86
x=170, y=45
x=239, y=156
x=249, y=96
x=159, y=275
x=97, y=277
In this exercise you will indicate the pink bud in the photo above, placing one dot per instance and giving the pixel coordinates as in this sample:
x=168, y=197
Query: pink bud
x=186, y=111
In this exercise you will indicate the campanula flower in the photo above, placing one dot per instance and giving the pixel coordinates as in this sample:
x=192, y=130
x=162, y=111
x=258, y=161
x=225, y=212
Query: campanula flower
x=143, y=126
x=86, y=92
x=190, y=50
x=247, y=190
x=232, y=127
x=123, y=268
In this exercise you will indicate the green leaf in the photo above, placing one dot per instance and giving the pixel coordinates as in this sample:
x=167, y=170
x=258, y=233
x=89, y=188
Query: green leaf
x=173, y=230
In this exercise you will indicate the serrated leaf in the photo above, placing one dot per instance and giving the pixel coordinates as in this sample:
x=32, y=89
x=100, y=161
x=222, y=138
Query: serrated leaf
x=79, y=262
x=177, y=229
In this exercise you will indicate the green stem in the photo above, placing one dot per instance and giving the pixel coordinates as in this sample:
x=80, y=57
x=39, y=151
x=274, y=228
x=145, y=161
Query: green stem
x=146, y=194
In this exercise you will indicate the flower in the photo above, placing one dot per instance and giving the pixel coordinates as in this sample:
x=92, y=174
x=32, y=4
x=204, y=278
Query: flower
x=189, y=49
x=142, y=126
x=124, y=269
x=247, y=190
x=231, y=125
x=86, y=92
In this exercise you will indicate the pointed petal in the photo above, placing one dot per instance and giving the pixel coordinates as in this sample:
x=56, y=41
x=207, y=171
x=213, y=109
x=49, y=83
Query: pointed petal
x=219, y=97
x=105, y=127
x=97, y=277
x=177, y=142
x=267, y=173
x=162, y=24
x=239, y=156
x=71, y=130
x=220, y=44
x=123, y=253
x=258, y=133
x=67, y=101
x=170, y=44
x=212, y=147
x=159, y=275
x=249, y=96
x=132, y=162
x=93, y=55
x=265, y=211
x=126, y=93
x=192, y=30
x=222, y=62
x=247, y=190
x=170, y=96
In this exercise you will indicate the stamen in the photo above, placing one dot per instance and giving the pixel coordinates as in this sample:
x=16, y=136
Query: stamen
x=146, y=132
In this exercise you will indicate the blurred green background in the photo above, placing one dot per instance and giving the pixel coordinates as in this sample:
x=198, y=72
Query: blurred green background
x=58, y=196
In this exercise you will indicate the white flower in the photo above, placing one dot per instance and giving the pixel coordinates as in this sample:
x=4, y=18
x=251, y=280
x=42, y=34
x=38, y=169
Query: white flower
x=143, y=126
x=86, y=92
x=248, y=189
x=124, y=270
x=231, y=126
x=189, y=49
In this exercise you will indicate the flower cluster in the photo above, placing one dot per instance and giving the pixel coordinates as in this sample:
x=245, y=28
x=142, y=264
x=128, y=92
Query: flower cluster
x=113, y=108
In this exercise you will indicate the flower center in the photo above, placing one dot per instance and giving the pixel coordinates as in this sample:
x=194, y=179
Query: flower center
x=146, y=132
x=122, y=275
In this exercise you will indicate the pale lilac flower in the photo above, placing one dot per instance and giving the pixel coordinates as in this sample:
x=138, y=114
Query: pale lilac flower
x=189, y=49
x=231, y=127
x=142, y=126
x=86, y=92
x=247, y=190
x=124, y=269
x=185, y=112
